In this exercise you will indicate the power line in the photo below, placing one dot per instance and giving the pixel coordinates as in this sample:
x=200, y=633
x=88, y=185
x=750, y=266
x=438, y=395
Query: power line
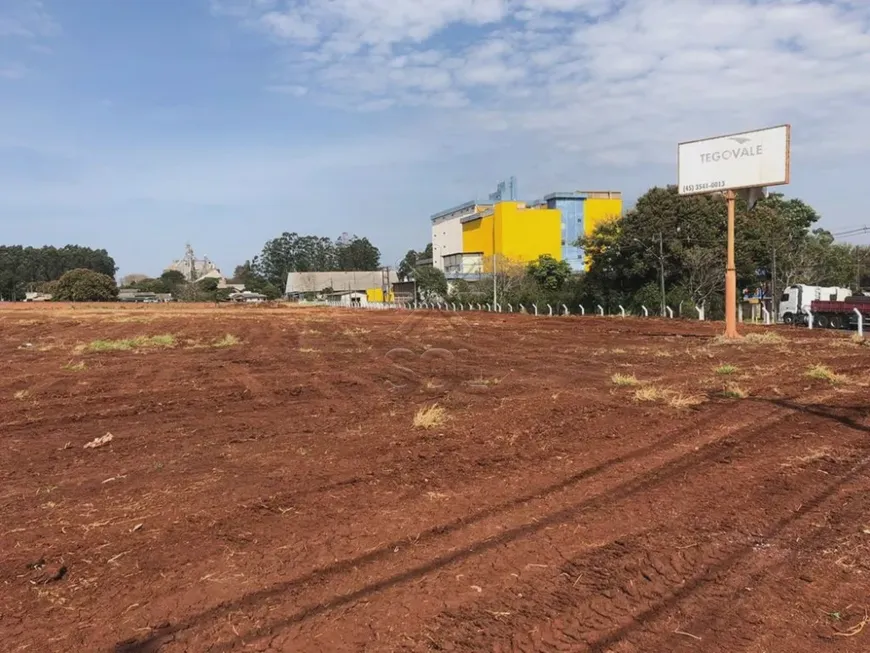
x=851, y=232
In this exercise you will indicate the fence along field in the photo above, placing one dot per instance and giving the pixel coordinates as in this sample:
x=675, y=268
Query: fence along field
x=297, y=479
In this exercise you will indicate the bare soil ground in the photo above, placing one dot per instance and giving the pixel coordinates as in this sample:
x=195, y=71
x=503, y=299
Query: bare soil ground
x=588, y=484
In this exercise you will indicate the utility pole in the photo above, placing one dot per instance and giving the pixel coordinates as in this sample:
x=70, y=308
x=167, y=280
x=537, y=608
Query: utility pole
x=661, y=259
x=662, y=270
x=494, y=266
x=774, y=300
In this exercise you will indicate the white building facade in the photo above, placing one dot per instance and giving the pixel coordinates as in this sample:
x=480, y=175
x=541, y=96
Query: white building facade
x=447, y=231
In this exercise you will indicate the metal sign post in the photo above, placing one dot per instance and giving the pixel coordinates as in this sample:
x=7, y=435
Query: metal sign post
x=730, y=274
x=747, y=162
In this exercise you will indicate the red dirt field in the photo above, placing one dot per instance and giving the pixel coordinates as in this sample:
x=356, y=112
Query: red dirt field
x=269, y=491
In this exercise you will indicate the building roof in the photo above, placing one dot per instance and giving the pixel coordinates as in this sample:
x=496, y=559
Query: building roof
x=465, y=206
x=312, y=282
x=584, y=194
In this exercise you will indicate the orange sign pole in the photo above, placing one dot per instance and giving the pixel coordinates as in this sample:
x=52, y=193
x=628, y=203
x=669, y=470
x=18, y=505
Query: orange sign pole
x=730, y=274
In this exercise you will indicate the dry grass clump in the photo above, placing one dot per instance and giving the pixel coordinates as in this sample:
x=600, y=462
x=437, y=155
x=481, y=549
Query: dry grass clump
x=228, y=340
x=429, y=417
x=680, y=401
x=624, y=380
x=127, y=344
x=823, y=373
x=650, y=393
x=22, y=394
x=75, y=367
x=482, y=381
x=674, y=399
x=766, y=338
x=725, y=369
x=734, y=391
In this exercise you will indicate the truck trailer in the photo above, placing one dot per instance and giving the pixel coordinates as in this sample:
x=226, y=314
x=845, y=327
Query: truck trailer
x=830, y=307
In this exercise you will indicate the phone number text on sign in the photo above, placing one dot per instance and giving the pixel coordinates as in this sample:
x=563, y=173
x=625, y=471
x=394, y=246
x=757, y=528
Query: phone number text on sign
x=695, y=188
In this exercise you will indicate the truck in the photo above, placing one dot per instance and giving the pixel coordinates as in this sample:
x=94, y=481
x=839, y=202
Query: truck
x=831, y=307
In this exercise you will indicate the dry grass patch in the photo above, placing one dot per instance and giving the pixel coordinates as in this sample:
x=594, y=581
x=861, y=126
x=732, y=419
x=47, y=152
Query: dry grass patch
x=680, y=401
x=767, y=338
x=430, y=417
x=813, y=455
x=674, y=399
x=356, y=331
x=127, y=344
x=228, y=340
x=725, y=369
x=734, y=391
x=307, y=350
x=22, y=394
x=75, y=367
x=624, y=380
x=484, y=381
x=824, y=373
x=650, y=393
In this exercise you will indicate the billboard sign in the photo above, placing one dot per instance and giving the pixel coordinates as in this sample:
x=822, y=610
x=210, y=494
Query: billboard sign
x=746, y=160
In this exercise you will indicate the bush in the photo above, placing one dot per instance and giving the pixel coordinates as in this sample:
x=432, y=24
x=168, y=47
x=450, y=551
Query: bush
x=82, y=285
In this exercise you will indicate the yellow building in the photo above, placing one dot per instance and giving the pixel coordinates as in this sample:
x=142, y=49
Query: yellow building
x=518, y=232
x=515, y=232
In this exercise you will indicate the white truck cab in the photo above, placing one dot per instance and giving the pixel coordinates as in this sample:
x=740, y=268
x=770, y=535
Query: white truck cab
x=795, y=301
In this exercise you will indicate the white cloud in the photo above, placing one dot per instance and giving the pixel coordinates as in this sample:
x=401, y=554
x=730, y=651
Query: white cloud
x=23, y=25
x=25, y=19
x=634, y=75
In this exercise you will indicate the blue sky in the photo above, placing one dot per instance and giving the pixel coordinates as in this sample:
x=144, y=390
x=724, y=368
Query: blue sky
x=140, y=125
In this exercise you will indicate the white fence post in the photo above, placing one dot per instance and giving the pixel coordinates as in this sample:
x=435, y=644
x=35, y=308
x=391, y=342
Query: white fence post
x=567, y=312
x=499, y=307
x=860, y=322
x=582, y=310
x=701, y=312
x=645, y=311
x=810, y=319
x=510, y=309
x=601, y=310
x=536, y=308
x=670, y=312
x=740, y=312
x=622, y=310
x=478, y=306
x=766, y=314
x=549, y=310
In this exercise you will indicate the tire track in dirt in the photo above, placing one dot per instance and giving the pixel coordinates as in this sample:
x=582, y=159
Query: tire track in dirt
x=702, y=448
x=628, y=584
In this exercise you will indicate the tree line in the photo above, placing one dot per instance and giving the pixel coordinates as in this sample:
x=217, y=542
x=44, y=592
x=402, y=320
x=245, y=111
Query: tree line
x=678, y=240
x=32, y=269
x=27, y=269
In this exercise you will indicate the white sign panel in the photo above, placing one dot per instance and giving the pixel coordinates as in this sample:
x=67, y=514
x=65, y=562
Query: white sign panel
x=745, y=160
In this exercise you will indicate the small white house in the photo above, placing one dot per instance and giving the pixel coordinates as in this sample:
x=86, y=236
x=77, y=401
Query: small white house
x=348, y=299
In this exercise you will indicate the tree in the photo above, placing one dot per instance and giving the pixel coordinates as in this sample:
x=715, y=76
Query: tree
x=412, y=260
x=247, y=275
x=83, y=285
x=130, y=280
x=703, y=278
x=431, y=283
x=291, y=252
x=549, y=273
x=173, y=279
x=358, y=254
